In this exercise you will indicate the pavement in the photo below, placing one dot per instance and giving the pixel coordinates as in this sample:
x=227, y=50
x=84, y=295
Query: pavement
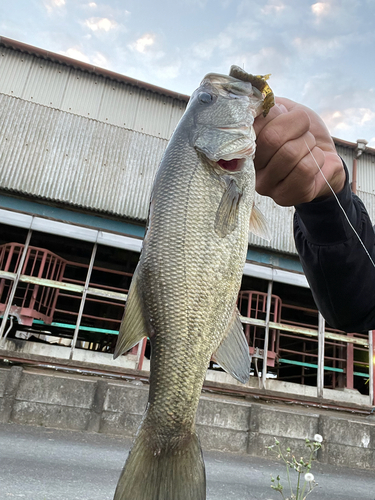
x=47, y=464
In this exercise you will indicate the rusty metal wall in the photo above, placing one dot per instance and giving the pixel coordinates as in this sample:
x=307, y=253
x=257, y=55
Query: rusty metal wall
x=56, y=85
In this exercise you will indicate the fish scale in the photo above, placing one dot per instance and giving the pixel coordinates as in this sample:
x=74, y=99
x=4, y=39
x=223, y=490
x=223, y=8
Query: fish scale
x=184, y=291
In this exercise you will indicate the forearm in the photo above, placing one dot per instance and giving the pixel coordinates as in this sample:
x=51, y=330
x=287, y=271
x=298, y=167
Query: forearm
x=340, y=273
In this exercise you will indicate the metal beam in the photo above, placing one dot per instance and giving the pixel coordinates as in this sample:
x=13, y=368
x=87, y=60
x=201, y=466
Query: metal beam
x=83, y=300
x=7, y=275
x=304, y=331
x=350, y=365
x=98, y=292
x=70, y=287
x=15, y=283
x=371, y=336
x=266, y=334
x=320, y=378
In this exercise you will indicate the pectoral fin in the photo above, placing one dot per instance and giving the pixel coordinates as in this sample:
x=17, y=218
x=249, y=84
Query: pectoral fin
x=259, y=225
x=226, y=215
x=233, y=352
x=134, y=325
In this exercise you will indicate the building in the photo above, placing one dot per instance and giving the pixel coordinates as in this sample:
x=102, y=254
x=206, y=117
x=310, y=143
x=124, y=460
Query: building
x=79, y=147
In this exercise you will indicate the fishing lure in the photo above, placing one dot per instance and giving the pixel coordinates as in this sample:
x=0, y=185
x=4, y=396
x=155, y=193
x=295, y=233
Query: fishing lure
x=260, y=83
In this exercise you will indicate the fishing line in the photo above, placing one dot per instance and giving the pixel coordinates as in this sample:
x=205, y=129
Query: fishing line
x=339, y=204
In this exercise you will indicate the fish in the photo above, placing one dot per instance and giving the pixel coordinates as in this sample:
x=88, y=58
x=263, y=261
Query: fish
x=184, y=290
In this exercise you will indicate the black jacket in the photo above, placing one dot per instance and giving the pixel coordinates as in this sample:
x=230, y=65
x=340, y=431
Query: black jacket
x=340, y=273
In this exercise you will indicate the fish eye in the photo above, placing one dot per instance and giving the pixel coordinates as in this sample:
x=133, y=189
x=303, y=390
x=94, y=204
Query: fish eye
x=204, y=97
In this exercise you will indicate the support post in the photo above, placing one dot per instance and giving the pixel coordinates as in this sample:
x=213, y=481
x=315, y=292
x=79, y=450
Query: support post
x=350, y=364
x=15, y=283
x=141, y=353
x=266, y=334
x=371, y=354
x=320, y=377
x=83, y=300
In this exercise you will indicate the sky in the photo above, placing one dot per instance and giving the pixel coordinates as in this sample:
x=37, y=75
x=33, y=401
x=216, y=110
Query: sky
x=321, y=54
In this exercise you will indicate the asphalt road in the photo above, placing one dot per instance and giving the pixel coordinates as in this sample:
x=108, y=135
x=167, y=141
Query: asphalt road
x=48, y=464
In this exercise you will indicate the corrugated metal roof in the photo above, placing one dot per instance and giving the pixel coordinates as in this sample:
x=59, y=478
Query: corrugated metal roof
x=348, y=155
x=86, y=94
x=366, y=173
x=369, y=201
x=42, y=54
x=58, y=156
x=84, y=139
x=14, y=72
x=365, y=167
x=280, y=221
x=70, y=159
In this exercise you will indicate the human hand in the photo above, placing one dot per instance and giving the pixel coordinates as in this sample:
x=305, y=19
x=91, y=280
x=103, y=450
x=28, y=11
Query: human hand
x=285, y=169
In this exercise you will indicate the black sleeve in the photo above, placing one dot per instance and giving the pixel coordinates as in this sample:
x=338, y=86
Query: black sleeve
x=340, y=273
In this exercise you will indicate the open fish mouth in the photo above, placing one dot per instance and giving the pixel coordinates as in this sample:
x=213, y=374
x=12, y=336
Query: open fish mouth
x=230, y=156
x=234, y=165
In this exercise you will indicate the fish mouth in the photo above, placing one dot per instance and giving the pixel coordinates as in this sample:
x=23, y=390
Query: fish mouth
x=234, y=165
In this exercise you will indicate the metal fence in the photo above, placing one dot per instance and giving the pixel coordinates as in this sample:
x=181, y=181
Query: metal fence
x=36, y=288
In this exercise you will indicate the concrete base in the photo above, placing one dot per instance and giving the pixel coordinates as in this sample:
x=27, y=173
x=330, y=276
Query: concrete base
x=19, y=347
x=282, y=387
x=99, y=404
x=129, y=361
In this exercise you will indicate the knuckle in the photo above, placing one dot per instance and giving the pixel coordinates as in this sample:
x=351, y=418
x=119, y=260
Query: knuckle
x=271, y=137
x=290, y=151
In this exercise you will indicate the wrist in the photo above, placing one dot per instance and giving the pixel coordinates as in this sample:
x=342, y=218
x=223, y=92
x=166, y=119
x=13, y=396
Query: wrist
x=322, y=221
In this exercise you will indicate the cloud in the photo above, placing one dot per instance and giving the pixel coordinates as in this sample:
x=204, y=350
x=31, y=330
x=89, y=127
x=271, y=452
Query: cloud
x=170, y=72
x=100, y=60
x=355, y=122
x=199, y=3
x=96, y=59
x=100, y=24
x=319, y=46
x=75, y=54
x=320, y=9
x=144, y=43
x=53, y=5
x=273, y=8
x=205, y=49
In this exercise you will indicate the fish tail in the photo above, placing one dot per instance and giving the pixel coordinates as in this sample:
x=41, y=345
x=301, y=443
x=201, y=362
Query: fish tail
x=176, y=473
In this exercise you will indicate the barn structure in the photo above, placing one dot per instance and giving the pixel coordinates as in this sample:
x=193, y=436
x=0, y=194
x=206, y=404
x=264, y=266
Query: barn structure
x=79, y=147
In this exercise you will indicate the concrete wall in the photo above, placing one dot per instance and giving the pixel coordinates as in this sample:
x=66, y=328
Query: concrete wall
x=47, y=398
x=51, y=354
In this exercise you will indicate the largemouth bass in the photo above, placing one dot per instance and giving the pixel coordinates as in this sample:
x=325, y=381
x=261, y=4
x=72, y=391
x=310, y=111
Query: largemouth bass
x=184, y=290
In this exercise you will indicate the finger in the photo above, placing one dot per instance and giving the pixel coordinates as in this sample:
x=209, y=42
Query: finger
x=282, y=129
x=318, y=128
x=261, y=121
x=283, y=105
x=300, y=185
x=283, y=162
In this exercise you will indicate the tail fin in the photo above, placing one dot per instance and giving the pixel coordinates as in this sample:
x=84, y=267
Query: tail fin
x=174, y=474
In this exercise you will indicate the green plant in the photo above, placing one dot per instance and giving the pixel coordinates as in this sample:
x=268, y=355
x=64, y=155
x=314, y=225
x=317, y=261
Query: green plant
x=302, y=467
